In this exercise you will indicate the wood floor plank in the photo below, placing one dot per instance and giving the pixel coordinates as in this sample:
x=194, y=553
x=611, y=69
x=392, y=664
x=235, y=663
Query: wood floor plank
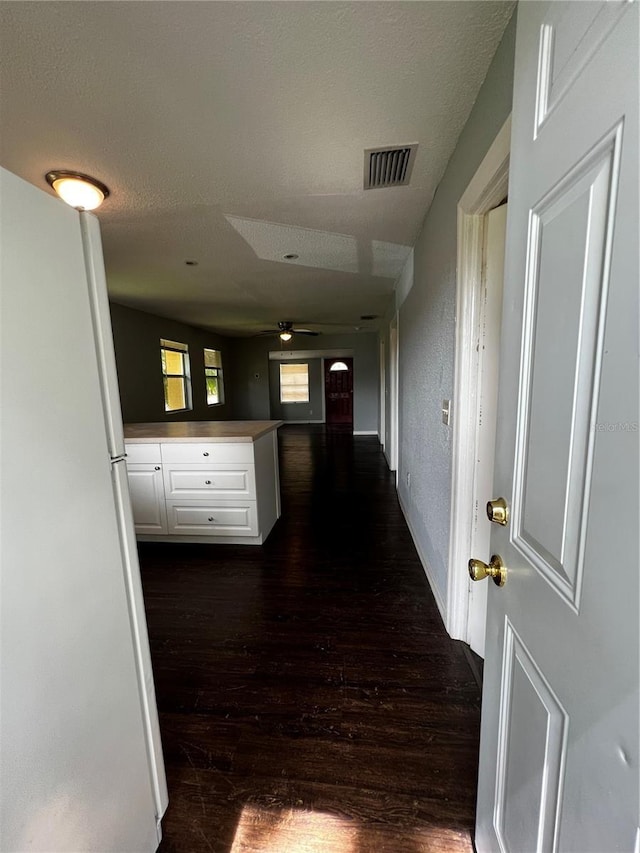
x=310, y=699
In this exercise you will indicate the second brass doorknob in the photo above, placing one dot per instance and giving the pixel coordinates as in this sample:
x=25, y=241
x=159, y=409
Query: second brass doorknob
x=496, y=569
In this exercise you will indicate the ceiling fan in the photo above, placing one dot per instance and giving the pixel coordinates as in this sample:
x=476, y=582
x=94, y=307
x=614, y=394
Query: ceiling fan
x=285, y=331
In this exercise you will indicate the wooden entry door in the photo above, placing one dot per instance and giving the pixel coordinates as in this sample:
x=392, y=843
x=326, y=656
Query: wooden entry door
x=559, y=746
x=338, y=391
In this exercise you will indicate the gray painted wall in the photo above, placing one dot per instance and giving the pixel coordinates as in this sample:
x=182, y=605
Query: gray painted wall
x=136, y=336
x=311, y=411
x=426, y=327
x=250, y=374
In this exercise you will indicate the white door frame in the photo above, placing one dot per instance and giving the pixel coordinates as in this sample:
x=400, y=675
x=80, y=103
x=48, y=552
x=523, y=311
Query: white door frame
x=487, y=188
x=391, y=451
x=324, y=399
x=383, y=394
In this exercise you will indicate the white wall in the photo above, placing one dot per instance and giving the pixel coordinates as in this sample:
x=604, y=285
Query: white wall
x=426, y=320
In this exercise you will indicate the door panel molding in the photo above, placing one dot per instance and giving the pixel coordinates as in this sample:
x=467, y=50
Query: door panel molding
x=561, y=61
x=542, y=760
x=552, y=537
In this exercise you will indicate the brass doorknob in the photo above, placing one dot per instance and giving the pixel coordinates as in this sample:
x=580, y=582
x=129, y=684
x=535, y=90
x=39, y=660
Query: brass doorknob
x=498, y=511
x=496, y=569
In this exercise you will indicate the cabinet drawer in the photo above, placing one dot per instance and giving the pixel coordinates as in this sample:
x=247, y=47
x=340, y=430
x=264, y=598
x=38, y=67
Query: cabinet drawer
x=142, y=452
x=200, y=482
x=205, y=453
x=209, y=519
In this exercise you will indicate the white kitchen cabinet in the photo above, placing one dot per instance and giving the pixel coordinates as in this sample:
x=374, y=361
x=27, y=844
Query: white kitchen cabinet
x=219, y=484
x=146, y=486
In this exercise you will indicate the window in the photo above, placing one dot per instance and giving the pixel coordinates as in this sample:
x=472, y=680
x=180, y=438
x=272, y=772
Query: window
x=294, y=383
x=175, y=375
x=213, y=377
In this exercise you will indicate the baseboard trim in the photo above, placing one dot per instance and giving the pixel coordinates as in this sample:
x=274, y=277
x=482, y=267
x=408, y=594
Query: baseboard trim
x=425, y=565
x=365, y=432
x=168, y=539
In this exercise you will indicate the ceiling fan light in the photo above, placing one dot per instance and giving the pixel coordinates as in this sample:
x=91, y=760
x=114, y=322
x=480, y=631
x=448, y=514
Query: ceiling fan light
x=285, y=336
x=78, y=190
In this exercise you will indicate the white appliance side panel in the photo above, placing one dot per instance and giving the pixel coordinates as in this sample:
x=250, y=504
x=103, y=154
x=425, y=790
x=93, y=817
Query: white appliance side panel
x=103, y=334
x=72, y=744
x=140, y=635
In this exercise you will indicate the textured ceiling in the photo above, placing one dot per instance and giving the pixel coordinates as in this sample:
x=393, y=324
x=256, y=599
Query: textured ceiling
x=232, y=133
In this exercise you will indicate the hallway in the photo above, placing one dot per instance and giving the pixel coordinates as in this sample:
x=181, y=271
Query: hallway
x=310, y=699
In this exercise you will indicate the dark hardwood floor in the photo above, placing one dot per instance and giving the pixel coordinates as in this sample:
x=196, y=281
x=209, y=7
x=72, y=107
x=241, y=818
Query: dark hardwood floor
x=310, y=700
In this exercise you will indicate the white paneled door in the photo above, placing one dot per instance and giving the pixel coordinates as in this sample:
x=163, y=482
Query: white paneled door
x=559, y=742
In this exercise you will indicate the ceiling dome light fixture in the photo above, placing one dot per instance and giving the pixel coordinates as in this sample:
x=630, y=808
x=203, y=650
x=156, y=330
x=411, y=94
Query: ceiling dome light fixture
x=80, y=191
x=285, y=336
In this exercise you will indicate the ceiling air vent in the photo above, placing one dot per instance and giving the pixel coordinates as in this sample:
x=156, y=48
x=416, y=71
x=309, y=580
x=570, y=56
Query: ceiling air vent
x=388, y=167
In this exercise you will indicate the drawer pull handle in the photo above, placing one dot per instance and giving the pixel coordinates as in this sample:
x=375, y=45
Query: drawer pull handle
x=157, y=468
x=211, y=518
x=207, y=482
x=205, y=453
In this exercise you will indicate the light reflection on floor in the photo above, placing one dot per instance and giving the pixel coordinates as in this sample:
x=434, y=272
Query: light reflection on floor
x=263, y=830
x=293, y=831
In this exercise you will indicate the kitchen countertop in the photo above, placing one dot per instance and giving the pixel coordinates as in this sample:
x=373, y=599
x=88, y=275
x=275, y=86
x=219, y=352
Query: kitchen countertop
x=198, y=431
